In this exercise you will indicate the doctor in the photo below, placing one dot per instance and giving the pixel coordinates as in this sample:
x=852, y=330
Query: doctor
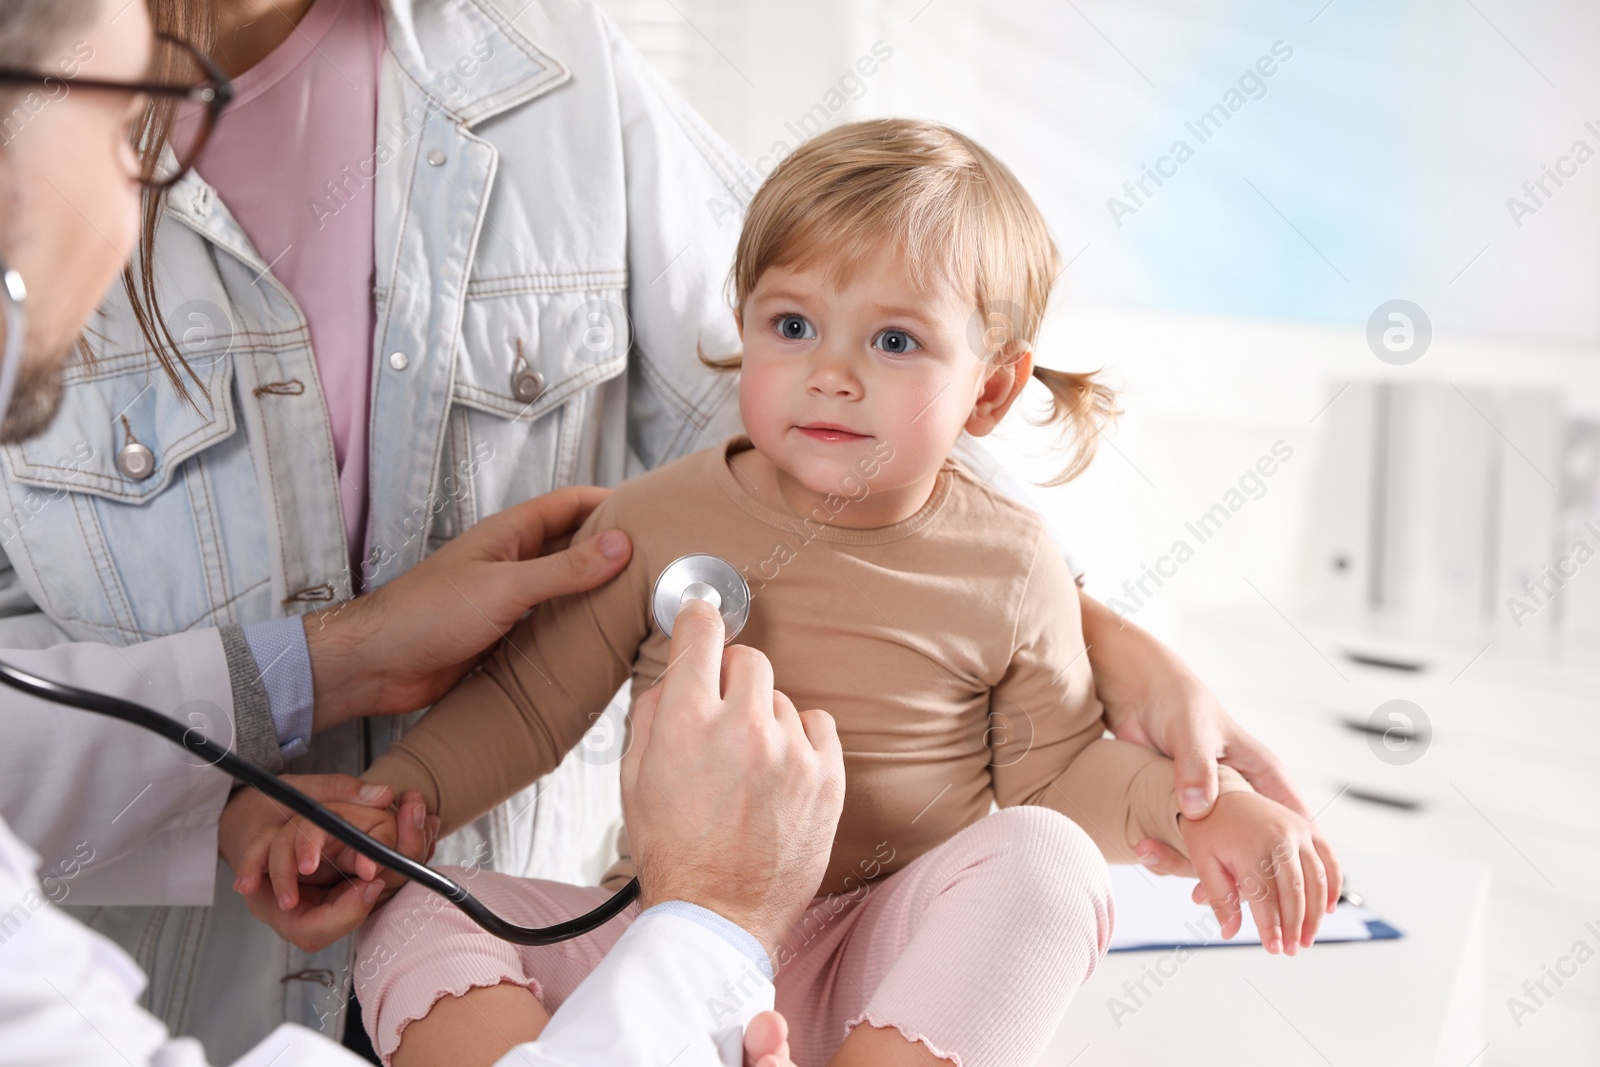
x=138, y=823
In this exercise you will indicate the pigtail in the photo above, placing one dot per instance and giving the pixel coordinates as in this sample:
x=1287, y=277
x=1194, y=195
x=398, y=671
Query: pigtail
x=1084, y=407
x=719, y=363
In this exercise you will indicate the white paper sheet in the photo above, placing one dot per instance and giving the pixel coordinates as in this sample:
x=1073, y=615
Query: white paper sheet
x=1154, y=911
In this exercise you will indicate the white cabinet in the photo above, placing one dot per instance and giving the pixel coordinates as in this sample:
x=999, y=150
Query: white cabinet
x=1509, y=775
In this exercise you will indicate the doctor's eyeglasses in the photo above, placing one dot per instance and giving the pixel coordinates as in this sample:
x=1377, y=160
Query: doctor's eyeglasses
x=185, y=94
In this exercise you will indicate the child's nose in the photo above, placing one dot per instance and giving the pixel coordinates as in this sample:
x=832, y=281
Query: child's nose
x=832, y=376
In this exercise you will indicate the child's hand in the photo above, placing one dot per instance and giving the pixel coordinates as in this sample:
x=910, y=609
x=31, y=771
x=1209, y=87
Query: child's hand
x=298, y=850
x=1257, y=849
x=302, y=881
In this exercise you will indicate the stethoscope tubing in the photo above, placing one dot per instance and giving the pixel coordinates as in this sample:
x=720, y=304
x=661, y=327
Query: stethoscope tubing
x=274, y=787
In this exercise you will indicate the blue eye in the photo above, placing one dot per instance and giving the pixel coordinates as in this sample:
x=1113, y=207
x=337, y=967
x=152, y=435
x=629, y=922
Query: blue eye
x=896, y=342
x=794, y=328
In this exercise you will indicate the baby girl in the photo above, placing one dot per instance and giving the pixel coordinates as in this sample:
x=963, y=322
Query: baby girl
x=888, y=287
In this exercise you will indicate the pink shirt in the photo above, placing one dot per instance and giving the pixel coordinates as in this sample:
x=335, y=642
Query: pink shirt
x=293, y=160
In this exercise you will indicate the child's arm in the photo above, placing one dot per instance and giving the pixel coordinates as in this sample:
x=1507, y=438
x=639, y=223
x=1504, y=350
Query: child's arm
x=1048, y=748
x=1048, y=731
x=530, y=703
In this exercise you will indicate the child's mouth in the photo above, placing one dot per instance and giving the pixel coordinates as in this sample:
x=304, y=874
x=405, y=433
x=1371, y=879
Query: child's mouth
x=826, y=431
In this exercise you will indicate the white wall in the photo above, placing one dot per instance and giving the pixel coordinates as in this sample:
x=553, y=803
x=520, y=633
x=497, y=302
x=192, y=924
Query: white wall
x=1376, y=163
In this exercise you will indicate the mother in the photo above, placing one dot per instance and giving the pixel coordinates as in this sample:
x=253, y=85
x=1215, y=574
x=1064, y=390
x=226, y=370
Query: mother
x=445, y=255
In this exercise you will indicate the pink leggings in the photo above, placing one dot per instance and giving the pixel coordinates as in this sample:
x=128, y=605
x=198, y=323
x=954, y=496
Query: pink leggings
x=973, y=948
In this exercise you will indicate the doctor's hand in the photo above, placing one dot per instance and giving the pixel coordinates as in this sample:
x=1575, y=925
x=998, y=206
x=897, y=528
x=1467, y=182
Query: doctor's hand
x=310, y=891
x=731, y=796
x=403, y=645
x=766, y=1041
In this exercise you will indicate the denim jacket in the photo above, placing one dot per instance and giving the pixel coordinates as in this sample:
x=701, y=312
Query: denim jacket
x=553, y=232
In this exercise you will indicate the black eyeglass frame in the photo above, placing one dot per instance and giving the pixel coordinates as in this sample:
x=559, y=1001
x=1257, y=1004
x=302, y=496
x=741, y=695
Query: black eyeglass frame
x=214, y=94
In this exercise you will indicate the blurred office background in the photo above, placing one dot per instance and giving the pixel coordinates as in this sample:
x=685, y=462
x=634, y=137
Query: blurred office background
x=1422, y=535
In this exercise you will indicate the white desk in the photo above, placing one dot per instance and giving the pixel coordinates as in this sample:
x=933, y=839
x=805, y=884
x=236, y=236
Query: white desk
x=1412, y=1002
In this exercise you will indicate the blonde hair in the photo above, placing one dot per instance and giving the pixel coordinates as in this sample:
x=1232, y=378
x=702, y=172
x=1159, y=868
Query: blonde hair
x=960, y=217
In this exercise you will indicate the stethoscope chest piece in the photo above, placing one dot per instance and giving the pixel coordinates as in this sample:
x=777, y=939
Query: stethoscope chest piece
x=701, y=577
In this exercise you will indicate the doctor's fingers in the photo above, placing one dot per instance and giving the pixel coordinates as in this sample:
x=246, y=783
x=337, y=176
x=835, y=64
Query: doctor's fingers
x=322, y=916
x=689, y=686
x=640, y=721
x=822, y=732
x=339, y=789
x=577, y=569
x=747, y=685
x=529, y=527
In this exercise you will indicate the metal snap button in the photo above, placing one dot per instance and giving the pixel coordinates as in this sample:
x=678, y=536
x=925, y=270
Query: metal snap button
x=399, y=360
x=526, y=385
x=436, y=158
x=136, y=461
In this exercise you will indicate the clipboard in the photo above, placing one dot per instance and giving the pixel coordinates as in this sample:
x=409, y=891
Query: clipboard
x=1154, y=912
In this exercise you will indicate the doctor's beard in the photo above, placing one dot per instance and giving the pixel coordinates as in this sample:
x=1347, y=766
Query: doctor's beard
x=36, y=399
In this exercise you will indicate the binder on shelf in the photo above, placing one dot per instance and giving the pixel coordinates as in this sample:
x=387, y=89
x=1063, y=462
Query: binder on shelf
x=1580, y=502
x=1435, y=503
x=1343, y=523
x=1526, y=477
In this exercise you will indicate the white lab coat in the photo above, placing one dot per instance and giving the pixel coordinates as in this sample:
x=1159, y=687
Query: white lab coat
x=669, y=991
x=118, y=815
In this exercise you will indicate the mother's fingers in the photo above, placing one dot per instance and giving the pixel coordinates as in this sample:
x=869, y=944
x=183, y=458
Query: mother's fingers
x=1160, y=858
x=1262, y=769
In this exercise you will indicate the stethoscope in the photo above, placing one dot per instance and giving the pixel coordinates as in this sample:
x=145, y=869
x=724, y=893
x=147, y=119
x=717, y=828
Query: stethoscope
x=694, y=577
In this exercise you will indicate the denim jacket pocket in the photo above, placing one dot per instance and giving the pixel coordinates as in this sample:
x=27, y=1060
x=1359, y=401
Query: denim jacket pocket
x=530, y=343
x=127, y=491
x=524, y=413
x=122, y=429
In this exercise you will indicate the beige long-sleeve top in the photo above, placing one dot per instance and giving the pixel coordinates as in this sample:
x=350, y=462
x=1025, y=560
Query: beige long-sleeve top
x=948, y=647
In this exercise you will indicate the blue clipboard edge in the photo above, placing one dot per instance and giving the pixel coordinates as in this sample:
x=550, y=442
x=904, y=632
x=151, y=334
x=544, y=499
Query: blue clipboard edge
x=1380, y=931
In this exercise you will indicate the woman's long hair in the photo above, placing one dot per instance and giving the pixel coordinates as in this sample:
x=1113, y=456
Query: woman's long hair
x=192, y=21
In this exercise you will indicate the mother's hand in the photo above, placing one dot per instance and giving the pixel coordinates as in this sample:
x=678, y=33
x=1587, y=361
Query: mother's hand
x=1153, y=699
x=402, y=646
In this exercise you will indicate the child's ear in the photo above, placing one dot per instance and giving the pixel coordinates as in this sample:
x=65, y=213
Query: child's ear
x=999, y=391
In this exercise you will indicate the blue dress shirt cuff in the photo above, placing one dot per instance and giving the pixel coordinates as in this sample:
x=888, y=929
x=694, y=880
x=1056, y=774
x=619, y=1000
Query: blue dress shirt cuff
x=279, y=649
x=729, y=931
